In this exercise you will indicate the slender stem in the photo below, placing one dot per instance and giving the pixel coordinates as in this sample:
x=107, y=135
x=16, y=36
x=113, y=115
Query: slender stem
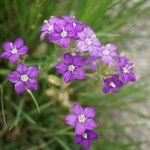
x=2, y=107
x=34, y=99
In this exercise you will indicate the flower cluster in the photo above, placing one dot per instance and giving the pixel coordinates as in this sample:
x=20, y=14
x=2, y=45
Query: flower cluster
x=67, y=29
x=23, y=77
x=82, y=120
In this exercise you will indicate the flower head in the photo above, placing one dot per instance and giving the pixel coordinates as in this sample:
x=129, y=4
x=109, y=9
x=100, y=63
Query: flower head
x=13, y=50
x=126, y=69
x=112, y=84
x=48, y=27
x=86, y=138
x=24, y=78
x=81, y=118
x=63, y=32
x=71, y=67
x=106, y=53
x=87, y=41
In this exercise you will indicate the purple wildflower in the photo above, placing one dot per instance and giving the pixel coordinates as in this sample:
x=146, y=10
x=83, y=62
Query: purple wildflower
x=63, y=32
x=24, y=78
x=126, y=69
x=107, y=52
x=71, y=67
x=13, y=50
x=76, y=25
x=112, y=84
x=81, y=118
x=48, y=27
x=85, y=138
x=87, y=41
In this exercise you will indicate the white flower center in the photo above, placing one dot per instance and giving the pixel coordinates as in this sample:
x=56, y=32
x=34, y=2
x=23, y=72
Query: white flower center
x=64, y=33
x=125, y=70
x=85, y=135
x=45, y=21
x=106, y=52
x=14, y=51
x=71, y=67
x=81, y=118
x=88, y=41
x=74, y=24
x=24, y=77
x=112, y=84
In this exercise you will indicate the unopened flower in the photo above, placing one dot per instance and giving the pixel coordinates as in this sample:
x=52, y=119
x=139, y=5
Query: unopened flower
x=71, y=67
x=48, y=27
x=106, y=53
x=86, y=138
x=63, y=32
x=126, y=69
x=87, y=41
x=81, y=119
x=24, y=78
x=112, y=84
x=13, y=50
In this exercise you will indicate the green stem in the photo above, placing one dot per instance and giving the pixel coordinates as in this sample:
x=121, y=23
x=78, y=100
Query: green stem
x=2, y=107
x=34, y=99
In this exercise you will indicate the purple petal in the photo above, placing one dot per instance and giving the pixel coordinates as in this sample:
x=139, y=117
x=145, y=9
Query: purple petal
x=86, y=143
x=114, y=90
x=107, y=59
x=78, y=139
x=118, y=83
x=92, y=135
x=79, y=128
x=68, y=76
x=33, y=71
x=18, y=42
x=77, y=109
x=61, y=67
x=14, y=77
x=79, y=73
x=20, y=87
x=68, y=58
x=64, y=42
x=132, y=76
x=7, y=46
x=78, y=60
x=89, y=32
x=90, y=124
x=111, y=47
x=96, y=42
x=106, y=89
x=54, y=36
x=89, y=112
x=81, y=46
x=71, y=119
x=42, y=36
x=13, y=58
x=21, y=68
x=32, y=84
x=5, y=55
x=23, y=50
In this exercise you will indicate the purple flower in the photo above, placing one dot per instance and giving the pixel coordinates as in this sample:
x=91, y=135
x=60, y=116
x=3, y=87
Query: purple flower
x=106, y=53
x=85, y=138
x=13, y=50
x=92, y=63
x=24, y=78
x=76, y=25
x=48, y=27
x=126, y=69
x=71, y=67
x=87, y=41
x=63, y=32
x=112, y=84
x=81, y=118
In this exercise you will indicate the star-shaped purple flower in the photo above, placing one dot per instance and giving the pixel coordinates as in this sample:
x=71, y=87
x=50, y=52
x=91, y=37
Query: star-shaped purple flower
x=106, y=53
x=71, y=67
x=126, y=69
x=86, y=138
x=13, y=50
x=82, y=119
x=87, y=41
x=48, y=27
x=63, y=32
x=24, y=78
x=112, y=84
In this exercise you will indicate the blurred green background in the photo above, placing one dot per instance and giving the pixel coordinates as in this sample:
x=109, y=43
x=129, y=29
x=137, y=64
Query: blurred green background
x=23, y=128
